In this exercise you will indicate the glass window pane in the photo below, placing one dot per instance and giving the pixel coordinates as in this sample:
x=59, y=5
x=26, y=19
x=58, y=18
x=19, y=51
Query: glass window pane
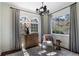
x=34, y=27
x=61, y=22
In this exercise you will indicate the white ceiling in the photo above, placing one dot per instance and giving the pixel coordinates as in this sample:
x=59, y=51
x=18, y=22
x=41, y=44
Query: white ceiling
x=52, y=6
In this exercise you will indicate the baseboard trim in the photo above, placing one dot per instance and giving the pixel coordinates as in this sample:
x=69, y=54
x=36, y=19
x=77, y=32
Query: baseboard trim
x=9, y=52
x=31, y=46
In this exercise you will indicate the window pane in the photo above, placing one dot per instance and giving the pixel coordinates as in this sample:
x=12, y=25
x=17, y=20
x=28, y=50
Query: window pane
x=61, y=22
x=34, y=27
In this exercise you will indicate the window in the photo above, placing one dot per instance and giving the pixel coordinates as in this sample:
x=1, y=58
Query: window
x=24, y=19
x=61, y=22
x=34, y=25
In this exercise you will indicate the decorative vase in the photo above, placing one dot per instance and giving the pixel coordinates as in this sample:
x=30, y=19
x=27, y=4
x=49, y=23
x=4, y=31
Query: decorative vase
x=27, y=32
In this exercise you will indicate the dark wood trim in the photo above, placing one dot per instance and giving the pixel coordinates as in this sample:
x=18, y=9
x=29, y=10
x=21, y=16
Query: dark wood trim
x=32, y=47
x=9, y=52
x=13, y=51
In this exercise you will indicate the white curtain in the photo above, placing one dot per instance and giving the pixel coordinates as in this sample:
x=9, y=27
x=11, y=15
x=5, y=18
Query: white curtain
x=15, y=28
x=74, y=35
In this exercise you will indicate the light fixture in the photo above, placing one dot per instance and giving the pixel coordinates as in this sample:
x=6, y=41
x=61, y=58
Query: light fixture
x=42, y=10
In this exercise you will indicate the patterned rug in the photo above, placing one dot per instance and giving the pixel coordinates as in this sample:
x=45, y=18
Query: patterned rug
x=38, y=51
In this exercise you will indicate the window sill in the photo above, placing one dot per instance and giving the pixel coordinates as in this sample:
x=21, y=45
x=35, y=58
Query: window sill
x=60, y=34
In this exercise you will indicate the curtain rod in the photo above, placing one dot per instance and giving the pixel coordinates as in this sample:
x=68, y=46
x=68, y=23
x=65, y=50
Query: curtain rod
x=62, y=8
x=24, y=10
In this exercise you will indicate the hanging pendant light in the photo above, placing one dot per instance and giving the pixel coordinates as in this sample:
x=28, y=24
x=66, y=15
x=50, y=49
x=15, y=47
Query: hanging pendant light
x=42, y=10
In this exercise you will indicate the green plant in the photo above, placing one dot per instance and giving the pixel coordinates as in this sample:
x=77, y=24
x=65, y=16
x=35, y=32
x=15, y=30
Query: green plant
x=57, y=31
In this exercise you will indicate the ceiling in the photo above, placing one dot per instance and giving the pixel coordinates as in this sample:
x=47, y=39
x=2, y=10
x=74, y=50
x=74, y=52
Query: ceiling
x=52, y=6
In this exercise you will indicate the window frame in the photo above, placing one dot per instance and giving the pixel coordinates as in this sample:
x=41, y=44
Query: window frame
x=34, y=23
x=52, y=29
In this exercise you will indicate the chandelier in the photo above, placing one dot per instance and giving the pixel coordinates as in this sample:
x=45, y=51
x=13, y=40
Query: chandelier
x=42, y=10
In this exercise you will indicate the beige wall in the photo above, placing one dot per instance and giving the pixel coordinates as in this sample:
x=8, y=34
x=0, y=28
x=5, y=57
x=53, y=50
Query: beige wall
x=0, y=27
x=63, y=38
x=45, y=24
x=6, y=27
